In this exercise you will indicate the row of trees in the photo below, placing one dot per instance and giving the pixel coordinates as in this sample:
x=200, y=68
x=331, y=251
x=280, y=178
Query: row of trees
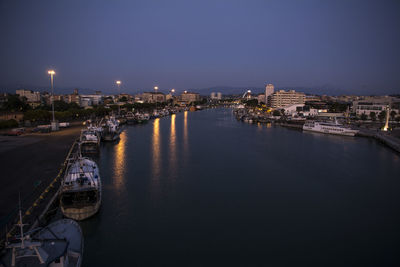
x=381, y=116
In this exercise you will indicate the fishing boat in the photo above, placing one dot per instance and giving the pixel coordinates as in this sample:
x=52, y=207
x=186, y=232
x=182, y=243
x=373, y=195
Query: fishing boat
x=142, y=117
x=130, y=118
x=111, y=130
x=328, y=128
x=81, y=190
x=89, y=141
x=59, y=244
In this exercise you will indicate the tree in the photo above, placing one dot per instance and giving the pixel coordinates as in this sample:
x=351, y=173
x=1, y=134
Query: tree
x=337, y=107
x=364, y=117
x=393, y=114
x=14, y=103
x=252, y=102
x=123, y=99
x=276, y=113
x=382, y=115
x=372, y=116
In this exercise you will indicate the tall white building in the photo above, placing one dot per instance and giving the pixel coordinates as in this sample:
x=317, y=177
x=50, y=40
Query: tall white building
x=269, y=90
x=216, y=96
x=282, y=98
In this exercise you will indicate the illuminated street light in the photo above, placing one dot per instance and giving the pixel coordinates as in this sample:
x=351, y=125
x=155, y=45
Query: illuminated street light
x=185, y=92
x=118, y=84
x=172, y=90
x=155, y=88
x=54, y=126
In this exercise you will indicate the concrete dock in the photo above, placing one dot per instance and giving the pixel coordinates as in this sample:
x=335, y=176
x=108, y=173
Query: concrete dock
x=29, y=165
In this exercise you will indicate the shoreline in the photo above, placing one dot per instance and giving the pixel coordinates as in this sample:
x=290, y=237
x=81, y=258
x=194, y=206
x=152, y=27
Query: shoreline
x=32, y=165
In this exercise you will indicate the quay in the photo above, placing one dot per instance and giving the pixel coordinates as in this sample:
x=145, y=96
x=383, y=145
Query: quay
x=383, y=137
x=32, y=167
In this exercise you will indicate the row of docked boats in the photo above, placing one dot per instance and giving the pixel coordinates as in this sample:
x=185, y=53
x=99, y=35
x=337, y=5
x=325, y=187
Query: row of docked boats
x=134, y=118
x=60, y=243
x=318, y=126
x=143, y=117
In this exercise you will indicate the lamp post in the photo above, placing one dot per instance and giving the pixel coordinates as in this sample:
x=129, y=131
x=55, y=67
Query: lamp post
x=118, y=84
x=156, y=89
x=172, y=96
x=54, y=124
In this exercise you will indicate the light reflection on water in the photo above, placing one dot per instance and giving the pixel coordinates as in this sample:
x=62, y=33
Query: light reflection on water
x=119, y=162
x=185, y=134
x=244, y=190
x=172, y=147
x=156, y=152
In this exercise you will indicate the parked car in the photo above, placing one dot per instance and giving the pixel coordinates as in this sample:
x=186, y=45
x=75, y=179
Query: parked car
x=16, y=131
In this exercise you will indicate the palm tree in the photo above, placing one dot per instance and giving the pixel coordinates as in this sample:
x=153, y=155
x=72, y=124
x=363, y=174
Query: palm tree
x=373, y=116
x=393, y=115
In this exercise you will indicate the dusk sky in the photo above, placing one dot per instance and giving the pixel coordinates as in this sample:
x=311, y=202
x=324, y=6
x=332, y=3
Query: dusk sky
x=349, y=45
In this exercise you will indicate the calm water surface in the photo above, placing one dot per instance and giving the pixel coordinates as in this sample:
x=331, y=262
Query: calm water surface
x=201, y=189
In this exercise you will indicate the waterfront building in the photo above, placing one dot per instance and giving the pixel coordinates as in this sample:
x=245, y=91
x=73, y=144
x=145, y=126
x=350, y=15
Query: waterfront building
x=261, y=98
x=282, y=98
x=216, y=96
x=153, y=97
x=312, y=98
x=189, y=97
x=269, y=90
x=96, y=99
x=34, y=99
x=371, y=104
x=73, y=98
x=29, y=95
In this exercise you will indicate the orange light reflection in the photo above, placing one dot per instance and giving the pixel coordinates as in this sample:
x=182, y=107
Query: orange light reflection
x=172, y=146
x=156, y=166
x=119, y=164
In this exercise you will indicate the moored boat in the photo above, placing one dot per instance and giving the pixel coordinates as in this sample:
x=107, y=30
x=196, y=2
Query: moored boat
x=328, y=128
x=111, y=130
x=89, y=141
x=130, y=118
x=81, y=190
x=58, y=244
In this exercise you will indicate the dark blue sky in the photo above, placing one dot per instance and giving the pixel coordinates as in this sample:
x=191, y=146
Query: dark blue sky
x=351, y=45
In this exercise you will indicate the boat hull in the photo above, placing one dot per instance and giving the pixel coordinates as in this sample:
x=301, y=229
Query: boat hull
x=110, y=137
x=90, y=148
x=80, y=214
x=344, y=133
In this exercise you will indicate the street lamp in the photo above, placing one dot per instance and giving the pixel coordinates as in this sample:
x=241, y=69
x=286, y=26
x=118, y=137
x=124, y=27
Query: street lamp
x=54, y=126
x=118, y=84
x=173, y=90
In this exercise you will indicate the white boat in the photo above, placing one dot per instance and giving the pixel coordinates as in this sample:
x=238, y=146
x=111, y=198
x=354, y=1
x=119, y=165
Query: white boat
x=130, y=117
x=328, y=128
x=59, y=244
x=89, y=141
x=81, y=190
x=111, y=130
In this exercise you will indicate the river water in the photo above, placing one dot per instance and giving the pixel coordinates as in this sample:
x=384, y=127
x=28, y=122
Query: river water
x=202, y=189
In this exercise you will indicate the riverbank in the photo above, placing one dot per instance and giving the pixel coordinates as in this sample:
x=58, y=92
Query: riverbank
x=390, y=139
x=29, y=164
